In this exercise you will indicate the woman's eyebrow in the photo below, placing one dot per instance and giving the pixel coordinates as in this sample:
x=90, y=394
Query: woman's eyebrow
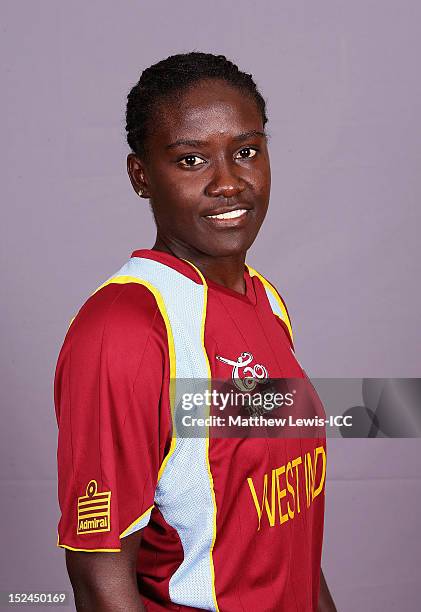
x=187, y=142
x=249, y=134
x=197, y=143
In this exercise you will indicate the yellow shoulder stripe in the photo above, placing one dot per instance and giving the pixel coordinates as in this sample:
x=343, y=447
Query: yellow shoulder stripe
x=277, y=297
x=124, y=279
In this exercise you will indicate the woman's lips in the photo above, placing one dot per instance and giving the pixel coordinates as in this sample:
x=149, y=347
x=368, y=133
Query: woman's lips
x=233, y=218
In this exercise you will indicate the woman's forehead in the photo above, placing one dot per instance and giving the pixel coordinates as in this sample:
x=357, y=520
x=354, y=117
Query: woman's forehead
x=207, y=107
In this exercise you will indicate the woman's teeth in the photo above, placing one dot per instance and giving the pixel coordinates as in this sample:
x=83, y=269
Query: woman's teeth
x=228, y=215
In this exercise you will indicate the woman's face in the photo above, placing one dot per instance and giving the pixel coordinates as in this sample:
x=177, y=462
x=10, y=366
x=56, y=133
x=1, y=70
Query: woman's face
x=207, y=154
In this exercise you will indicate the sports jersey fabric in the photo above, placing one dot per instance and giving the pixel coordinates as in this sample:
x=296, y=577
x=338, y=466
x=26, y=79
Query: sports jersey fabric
x=229, y=524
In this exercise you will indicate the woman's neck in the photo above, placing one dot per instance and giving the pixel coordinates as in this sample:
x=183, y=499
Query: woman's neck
x=225, y=270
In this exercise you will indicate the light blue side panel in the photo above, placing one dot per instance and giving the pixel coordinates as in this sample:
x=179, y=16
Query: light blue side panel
x=183, y=494
x=274, y=304
x=142, y=522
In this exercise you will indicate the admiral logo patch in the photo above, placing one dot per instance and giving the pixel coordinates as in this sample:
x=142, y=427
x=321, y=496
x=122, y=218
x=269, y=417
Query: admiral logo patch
x=93, y=510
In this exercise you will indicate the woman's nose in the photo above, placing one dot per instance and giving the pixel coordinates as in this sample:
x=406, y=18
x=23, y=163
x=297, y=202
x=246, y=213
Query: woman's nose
x=225, y=182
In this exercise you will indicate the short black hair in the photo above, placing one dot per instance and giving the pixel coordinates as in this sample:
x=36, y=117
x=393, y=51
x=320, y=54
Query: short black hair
x=172, y=75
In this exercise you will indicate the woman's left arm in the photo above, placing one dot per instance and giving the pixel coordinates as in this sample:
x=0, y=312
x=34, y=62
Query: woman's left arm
x=326, y=603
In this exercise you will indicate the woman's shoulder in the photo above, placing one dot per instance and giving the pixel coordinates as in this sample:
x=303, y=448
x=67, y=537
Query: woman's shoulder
x=116, y=330
x=276, y=300
x=117, y=314
x=270, y=287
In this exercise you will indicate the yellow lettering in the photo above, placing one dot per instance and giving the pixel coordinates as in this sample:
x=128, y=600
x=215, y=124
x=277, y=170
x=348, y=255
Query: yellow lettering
x=309, y=472
x=254, y=496
x=291, y=491
x=270, y=510
x=319, y=451
x=297, y=461
x=281, y=493
x=290, y=488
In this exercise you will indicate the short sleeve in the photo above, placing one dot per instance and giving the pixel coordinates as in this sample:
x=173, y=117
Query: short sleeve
x=114, y=420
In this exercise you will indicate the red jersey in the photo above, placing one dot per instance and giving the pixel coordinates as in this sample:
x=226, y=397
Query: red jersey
x=265, y=509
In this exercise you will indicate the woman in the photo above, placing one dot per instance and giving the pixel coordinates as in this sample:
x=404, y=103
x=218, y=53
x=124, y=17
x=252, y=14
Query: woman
x=189, y=523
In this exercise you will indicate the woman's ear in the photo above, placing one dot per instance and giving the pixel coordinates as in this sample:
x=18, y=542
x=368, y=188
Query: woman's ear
x=136, y=172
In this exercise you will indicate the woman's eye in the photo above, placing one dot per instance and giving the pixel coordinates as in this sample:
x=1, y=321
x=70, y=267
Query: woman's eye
x=246, y=153
x=191, y=160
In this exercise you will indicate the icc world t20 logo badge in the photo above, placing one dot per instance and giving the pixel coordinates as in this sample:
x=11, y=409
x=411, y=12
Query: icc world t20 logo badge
x=251, y=375
x=93, y=510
